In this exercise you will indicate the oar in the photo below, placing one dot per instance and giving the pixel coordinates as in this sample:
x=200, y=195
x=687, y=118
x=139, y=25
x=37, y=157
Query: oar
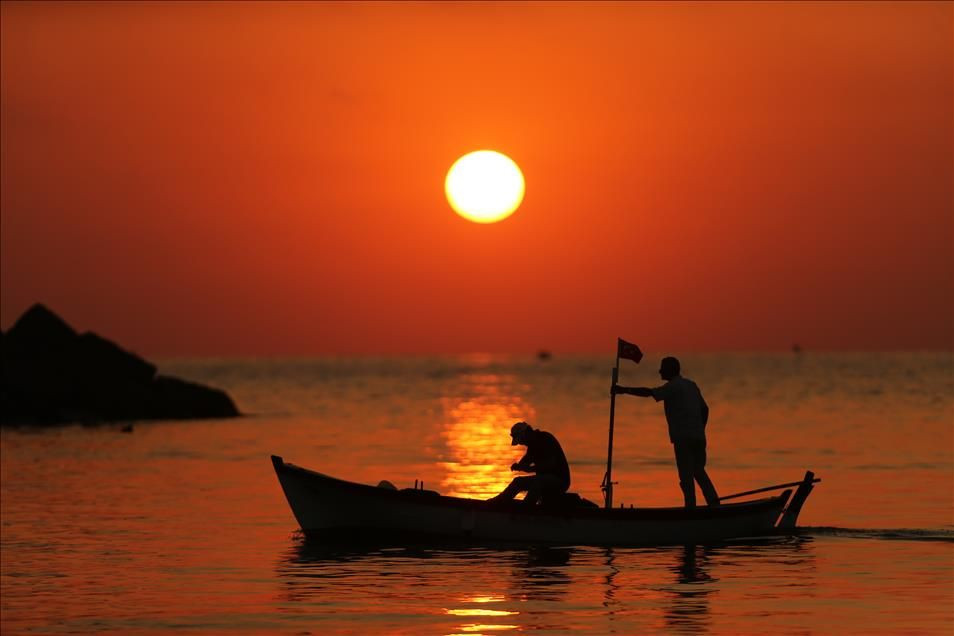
x=767, y=488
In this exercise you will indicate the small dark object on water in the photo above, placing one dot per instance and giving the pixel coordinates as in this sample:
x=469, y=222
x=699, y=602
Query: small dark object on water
x=543, y=354
x=796, y=348
x=126, y=429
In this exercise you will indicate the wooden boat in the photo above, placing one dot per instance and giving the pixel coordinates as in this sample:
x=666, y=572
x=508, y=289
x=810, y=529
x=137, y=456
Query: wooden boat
x=331, y=508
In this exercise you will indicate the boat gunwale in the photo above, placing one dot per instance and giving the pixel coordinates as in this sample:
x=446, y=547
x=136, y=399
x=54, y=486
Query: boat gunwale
x=426, y=497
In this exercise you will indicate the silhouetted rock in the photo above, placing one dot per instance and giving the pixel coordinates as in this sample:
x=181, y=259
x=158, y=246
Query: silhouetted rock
x=102, y=357
x=190, y=399
x=50, y=374
x=40, y=330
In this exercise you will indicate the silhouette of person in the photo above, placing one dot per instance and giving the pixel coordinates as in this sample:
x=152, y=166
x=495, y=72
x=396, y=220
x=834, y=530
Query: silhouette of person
x=687, y=414
x=545, y=458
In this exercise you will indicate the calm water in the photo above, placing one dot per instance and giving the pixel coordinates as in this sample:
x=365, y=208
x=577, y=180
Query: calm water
x=182, y=525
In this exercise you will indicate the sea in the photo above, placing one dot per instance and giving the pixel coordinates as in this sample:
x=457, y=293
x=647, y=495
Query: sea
x=182, y=526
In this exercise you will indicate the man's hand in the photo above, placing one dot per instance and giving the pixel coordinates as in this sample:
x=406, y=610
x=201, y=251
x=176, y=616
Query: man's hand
x=514, y=467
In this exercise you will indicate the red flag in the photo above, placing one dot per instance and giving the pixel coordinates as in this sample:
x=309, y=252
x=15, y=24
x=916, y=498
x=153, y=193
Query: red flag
x=628, y=351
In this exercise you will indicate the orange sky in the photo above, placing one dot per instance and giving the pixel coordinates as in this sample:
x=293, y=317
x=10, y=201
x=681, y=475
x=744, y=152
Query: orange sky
x=246, y=178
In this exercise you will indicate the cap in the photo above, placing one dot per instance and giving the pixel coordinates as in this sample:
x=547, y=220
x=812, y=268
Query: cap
x=517, y=431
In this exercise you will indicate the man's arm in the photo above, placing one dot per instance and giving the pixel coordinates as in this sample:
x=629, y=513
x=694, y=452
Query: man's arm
x=705, y=411
x=524, y=465
x=631, y=390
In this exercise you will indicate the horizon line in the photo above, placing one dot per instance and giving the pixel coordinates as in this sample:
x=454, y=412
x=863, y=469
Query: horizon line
x=535, y=354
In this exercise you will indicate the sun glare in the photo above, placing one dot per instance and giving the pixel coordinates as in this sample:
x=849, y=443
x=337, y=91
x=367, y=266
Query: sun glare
x=484, y=186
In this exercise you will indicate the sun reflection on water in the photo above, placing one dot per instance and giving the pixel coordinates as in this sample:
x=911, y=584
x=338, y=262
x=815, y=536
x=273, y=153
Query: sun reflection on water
x=494, y=598
x=477, y=432
x=475, y=628
x=479, y=612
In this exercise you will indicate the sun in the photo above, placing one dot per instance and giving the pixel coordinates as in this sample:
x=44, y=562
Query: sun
x=484, y=186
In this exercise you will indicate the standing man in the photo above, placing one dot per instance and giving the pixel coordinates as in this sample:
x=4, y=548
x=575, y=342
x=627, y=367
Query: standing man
x=686, y=414
x=545, y=458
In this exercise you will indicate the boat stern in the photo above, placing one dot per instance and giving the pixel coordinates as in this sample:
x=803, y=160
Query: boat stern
x=789, y=516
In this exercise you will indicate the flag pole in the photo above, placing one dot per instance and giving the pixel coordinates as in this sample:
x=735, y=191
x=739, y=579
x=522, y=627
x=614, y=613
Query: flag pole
x=608, y=478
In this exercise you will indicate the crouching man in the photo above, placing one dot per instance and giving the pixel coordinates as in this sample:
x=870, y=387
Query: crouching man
x=545, y=458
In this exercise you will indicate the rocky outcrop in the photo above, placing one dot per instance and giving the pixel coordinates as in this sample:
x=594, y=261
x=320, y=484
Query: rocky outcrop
x=50, y=374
